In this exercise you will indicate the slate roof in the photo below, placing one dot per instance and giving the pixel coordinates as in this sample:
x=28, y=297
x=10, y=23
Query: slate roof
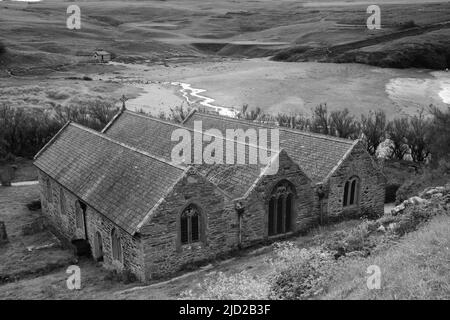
x=153, y=135
x=316, y=154
x=119, y=181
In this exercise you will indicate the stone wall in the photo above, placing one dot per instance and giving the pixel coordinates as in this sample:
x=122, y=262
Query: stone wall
x=162, y=249
x=372, y=185
x=255, y=218
x=64, y=226
x=164, y=254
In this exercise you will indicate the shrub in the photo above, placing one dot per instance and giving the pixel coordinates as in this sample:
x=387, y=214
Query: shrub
x=240, y=286
x=124, y=276
x=355, y=239
x=429, y=178
x=299, y=273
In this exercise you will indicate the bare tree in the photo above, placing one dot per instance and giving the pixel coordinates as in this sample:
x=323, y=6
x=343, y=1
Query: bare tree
x=397, y=131
x=319, y=123
x=343, y=125
x=373, y=128
x=417, y=137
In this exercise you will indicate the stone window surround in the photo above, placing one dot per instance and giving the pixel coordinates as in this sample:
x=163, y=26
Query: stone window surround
x=96, y=254
x=79, y=216
x=293, y=211
x=117, y=262
x=203, y=223
x=357, y=195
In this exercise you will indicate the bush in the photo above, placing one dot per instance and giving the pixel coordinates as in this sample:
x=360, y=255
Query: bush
x=429, y=178
x=299, y=273
x=124, y=276
x=356, y=239
x=240, y=286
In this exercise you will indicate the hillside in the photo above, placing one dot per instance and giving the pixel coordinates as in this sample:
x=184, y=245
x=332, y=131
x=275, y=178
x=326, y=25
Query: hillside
x=37, y=39
x=418, y=47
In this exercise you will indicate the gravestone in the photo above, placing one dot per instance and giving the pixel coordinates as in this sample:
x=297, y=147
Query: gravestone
x=3, y=235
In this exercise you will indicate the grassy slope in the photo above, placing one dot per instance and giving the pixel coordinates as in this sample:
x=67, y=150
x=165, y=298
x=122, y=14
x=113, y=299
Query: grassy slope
x=416, y=268
x=430, y=50
x=36, y=34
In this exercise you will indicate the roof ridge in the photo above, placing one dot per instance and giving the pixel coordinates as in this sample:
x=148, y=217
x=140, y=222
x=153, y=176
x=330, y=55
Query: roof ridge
x=110, y=123
x=259, y=124
x=221, y=117
x=124, y=145
x=191, y=129
x=52, y=140
x=318, y=135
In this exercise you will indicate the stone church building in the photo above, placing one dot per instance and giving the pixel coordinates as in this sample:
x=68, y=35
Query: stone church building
x=119, y=192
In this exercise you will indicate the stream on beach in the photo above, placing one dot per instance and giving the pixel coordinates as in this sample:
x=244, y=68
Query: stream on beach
x=404, y=88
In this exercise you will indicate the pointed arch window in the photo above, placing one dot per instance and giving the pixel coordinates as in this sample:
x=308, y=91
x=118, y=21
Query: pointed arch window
x=281, y=208
x=351, y=192
x=79, y=216
x=190, y=224
x=116, y=245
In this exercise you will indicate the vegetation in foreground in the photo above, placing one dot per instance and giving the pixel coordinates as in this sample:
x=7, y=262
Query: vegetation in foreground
x=410, y=246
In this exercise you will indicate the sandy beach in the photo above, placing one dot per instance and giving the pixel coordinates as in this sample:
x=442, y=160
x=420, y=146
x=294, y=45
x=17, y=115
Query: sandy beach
x=291, y=87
